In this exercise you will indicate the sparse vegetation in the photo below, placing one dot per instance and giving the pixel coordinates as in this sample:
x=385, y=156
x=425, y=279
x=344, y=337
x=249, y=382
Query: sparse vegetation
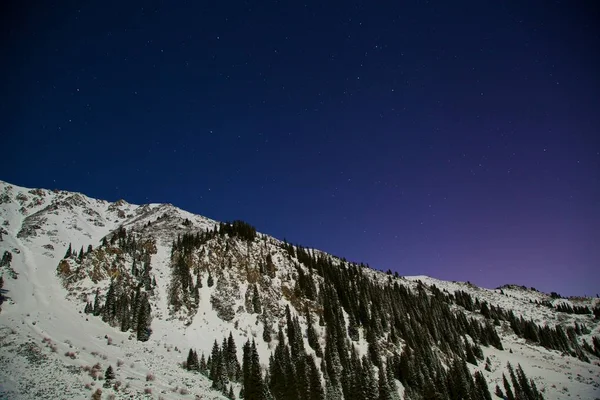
x=97, y=394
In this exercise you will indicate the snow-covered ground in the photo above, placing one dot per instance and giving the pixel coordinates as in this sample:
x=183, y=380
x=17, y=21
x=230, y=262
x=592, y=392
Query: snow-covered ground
x=48, y=345
x=39, y=325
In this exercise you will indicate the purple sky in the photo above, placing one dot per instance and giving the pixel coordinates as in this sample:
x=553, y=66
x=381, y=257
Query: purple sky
x=453, y=139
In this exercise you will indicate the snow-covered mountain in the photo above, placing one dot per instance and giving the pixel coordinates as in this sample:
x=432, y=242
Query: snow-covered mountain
x=203, y=280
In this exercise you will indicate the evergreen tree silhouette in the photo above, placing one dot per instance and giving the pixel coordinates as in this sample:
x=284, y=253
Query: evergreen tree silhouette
x=109, y=374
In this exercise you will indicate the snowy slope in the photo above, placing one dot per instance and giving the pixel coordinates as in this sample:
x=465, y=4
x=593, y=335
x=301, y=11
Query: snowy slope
x=561, y=377
x=39, y=225
x=44, y=319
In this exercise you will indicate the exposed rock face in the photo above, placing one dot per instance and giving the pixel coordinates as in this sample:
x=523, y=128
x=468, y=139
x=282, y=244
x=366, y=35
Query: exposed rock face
x=224, y=299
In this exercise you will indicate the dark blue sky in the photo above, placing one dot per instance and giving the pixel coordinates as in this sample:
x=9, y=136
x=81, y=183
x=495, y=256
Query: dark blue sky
x=453, y=139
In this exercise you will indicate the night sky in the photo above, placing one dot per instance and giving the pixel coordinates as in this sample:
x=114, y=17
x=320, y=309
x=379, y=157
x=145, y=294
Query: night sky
x=454, y=139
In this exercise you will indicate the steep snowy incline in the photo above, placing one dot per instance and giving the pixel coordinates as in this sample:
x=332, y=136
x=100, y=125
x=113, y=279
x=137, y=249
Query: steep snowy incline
x=45, y=337
x=49, y=346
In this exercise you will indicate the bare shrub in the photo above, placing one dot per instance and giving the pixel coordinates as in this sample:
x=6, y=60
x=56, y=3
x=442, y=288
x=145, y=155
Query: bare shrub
x=148, y=390
x=70, y=354
x=150, y=377
x=97, y=394
x=184, y=391
x=120, y=363
x=88, y=386
x=109, y=341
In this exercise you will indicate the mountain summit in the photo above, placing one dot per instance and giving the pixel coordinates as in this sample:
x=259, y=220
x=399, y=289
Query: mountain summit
x=115, y=300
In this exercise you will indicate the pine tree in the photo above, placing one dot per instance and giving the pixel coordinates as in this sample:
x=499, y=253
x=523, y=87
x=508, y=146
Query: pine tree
x=481, y=388
x=109, y=374
x=266, y=329
x=384, y=388
x=302, y=379
x=143, y=319
x=373, y=347
x=524, y=384
x=215, y=356
x=370, y=386
x=246, y=360
x=256, y=304
x=254, y=388
x=507, y=389
x=97, y=303
x=146, y=281
x=203, y=366
x=219, y=374
x=391, y=378
x=332, y=392
x=256, y=375
x=469, y=353
x=515, y=383
x=278, y=366
x=499, y=392
x=109, y=309
x=192, y=361
x=69, y=251
x=353, y=328
x=233, y=365
x=316, y=389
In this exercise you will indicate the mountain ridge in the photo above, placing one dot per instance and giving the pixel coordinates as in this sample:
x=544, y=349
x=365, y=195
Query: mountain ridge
x=39, y=224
